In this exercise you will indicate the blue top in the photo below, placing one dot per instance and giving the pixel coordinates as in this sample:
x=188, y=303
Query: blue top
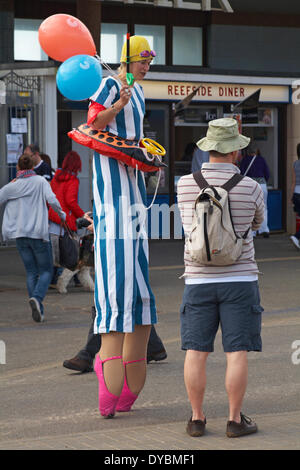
x=42, y=169
x=199, y=157
x=258, y=169
x=297, y=172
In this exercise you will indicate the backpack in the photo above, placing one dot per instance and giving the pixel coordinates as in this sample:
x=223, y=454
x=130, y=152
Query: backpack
x=213, y=240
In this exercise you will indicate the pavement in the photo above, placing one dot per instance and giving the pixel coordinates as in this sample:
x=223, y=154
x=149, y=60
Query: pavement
x=44, y=406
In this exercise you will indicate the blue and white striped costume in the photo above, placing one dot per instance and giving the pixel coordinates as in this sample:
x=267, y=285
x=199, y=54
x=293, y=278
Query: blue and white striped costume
x=123, y=296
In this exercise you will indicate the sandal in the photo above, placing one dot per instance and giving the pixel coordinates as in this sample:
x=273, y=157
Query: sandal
x=127, y=398
x=107, y=400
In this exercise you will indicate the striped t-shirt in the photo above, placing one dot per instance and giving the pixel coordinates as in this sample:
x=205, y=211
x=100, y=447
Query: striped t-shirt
x=247, y=208
x=128, y=123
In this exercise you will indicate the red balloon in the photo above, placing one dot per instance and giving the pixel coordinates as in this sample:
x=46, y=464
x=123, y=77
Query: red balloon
x=61, y=36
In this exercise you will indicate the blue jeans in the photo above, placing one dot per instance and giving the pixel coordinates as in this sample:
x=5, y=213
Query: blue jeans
x=37, y=258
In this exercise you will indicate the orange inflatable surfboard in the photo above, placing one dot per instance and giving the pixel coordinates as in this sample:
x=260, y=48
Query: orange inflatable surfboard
x=110, y=145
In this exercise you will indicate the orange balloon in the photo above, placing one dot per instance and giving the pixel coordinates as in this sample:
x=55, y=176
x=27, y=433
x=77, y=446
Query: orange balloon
x=61, y=36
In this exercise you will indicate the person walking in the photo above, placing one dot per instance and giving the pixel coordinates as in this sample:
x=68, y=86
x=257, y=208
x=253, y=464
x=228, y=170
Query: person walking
x=199, y=157
x=255, y=166
x=295, y=196
x=26, y=220
x=84, y=359
x=47, y=160
x=40, y=167
x=221, y=295
x=65, y=185
x=124, y=302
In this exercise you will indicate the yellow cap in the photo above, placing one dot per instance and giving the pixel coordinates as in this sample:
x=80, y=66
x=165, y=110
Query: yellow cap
x=137, y=45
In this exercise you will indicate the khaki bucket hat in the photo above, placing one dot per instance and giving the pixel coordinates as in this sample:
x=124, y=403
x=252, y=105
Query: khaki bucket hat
x=223, y=136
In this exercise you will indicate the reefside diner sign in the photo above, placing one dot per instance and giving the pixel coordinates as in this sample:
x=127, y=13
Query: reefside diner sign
x=163, y=90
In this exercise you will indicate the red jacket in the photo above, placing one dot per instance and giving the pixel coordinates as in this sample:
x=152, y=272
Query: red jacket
x=65, y=186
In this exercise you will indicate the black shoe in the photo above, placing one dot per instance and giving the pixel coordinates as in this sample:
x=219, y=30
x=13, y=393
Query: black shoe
x=157, y=356
x=266, y=234
x=246, y=426
x=36, y=310
x=196, y=428
x=78, y=364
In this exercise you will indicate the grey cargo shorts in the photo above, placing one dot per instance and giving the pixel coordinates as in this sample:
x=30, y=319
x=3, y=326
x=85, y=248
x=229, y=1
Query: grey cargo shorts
x=235, y=306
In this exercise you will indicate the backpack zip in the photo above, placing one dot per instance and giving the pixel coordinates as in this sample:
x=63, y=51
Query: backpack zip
x=206, y=238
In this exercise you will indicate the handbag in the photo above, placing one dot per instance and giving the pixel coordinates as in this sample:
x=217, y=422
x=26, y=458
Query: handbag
x=86, y=250
x=68, y=248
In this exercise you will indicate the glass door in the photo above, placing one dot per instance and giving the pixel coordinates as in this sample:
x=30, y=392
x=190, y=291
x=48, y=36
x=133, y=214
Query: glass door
x=156, y=127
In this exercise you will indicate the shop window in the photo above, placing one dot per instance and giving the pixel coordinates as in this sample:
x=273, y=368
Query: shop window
x=156, y=36
x=112, y=39
x=26, y=44
x=196, y=116
x=156, y=128
x=190, y=126
x=187, y=46
x=264, y=138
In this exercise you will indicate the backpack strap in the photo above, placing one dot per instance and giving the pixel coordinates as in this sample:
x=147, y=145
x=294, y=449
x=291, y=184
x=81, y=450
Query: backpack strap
x=200, y=180
x=232, y=182
x=202, y=183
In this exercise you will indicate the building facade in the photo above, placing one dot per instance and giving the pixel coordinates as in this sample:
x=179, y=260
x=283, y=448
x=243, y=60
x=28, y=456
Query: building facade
x=220, y=49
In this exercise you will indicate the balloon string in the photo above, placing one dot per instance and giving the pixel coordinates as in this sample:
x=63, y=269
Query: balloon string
x=113, y=73
x=156, y=189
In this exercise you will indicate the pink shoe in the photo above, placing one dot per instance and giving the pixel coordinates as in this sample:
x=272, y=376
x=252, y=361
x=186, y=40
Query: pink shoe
x=107, y=401
x=127, y=398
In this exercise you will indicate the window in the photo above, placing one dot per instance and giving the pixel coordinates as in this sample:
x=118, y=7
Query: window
x=156, y=36
x=26, y=44
x=112, y=39
x=187, y=46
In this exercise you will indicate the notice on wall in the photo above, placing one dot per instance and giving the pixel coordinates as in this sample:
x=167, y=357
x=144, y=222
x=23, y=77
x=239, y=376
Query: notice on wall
x=2, y=92
x=14, y=144
x=18, y=125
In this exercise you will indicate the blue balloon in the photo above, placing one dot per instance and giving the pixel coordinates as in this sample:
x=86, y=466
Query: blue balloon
x=79, y=77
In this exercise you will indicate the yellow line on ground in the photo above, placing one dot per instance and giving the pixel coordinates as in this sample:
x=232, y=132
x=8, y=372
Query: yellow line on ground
x=158, y=268
x=30, y=370
x=259, y=260
x=287, y=258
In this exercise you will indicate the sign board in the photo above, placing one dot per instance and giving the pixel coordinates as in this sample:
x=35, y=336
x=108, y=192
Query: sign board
x=14, y=144
x=218, y=92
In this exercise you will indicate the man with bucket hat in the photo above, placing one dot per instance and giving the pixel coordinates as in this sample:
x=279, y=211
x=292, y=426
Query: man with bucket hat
x=221, y=295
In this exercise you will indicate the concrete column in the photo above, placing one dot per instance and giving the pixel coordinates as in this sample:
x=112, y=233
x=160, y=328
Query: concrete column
x=293, y=138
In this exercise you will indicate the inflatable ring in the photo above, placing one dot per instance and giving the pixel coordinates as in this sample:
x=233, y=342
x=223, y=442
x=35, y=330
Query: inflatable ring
x=153, y=147
x=110, y=145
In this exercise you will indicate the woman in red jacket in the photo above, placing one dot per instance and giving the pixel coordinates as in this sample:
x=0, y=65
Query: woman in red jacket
x=65, y=185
